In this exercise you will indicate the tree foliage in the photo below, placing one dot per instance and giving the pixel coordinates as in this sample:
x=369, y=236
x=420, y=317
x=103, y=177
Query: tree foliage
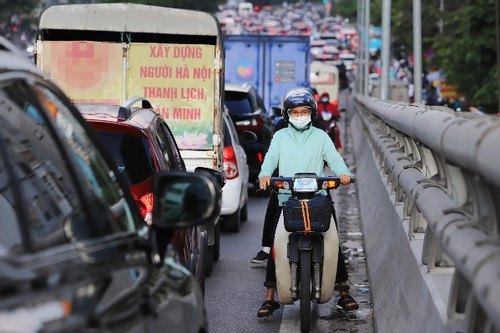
x=346, y=8
x=11, y=8
x=465, y=49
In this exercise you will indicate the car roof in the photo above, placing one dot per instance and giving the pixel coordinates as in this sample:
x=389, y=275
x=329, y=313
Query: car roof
x=137, y=117
x=244, y=87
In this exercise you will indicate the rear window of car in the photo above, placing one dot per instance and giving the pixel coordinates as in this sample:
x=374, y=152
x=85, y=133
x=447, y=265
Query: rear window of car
x=131, y=153
x=238, y=103
x=227, y=136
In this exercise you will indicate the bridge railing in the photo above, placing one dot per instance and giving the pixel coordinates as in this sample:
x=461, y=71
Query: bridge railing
x=441, y=172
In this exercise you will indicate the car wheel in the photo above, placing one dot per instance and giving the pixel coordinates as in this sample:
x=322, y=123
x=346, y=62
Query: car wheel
x=201, y=282
x=200, y=274
x=232, y=222
x=209, y=260
x=216, y=246
x=244, y=212
x=213, y=251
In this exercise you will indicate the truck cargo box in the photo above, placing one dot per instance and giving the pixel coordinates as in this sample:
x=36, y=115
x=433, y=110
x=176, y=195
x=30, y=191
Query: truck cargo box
x=107, y=53
x=272, y=64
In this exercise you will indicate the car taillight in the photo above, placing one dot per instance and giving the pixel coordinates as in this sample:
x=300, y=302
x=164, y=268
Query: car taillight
x=230, y=163
x=253, y=124
x=260, y=157
x=146, y=204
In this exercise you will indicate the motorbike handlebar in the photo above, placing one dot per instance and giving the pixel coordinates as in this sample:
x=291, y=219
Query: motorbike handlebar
x=327, y=182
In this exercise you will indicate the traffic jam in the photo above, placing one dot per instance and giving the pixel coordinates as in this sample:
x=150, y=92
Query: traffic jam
x=131, y=148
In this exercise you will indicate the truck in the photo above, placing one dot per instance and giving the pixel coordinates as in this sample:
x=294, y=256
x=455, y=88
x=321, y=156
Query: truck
x=271, y=64
x=324, y=77
x=108, y=53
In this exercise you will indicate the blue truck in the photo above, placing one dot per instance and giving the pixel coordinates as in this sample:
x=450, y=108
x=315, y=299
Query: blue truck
x=272, y=64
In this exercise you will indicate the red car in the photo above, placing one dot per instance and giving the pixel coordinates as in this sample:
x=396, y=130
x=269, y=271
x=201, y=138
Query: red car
x=141, y=143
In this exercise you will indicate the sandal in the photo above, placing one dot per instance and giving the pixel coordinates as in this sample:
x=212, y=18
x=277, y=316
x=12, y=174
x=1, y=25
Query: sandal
x=347, y=303
x=267, y=308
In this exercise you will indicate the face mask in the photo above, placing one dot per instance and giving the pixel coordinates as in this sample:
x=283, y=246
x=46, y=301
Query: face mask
x=300, y=122
x=326, y=116
x=324, y=100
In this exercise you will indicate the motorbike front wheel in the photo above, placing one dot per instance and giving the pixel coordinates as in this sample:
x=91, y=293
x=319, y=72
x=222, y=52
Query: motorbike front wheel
x=305, y=291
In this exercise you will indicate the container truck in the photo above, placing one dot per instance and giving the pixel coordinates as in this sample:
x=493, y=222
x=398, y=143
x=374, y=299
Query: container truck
x=271, y=64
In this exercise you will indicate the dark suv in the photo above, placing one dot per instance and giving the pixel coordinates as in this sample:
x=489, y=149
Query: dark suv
x=248, y=113
x=76, y=255
x=141, y=144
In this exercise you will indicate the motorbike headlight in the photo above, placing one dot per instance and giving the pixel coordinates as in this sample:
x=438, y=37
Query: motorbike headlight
x=305, y=185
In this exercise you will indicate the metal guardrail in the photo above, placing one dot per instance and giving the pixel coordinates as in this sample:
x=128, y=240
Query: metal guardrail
x=444, y=167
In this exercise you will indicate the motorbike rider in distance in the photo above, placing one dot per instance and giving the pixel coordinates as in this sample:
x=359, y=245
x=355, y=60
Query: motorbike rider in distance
x=301, y=147
x=324, y=104
x=328, y=115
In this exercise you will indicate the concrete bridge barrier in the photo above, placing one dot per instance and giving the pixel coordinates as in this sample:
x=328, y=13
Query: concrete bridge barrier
x=428, y=193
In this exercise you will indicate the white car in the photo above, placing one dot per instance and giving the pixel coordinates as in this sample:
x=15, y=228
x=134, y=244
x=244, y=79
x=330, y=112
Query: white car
x=235, y=192
x=348, y=59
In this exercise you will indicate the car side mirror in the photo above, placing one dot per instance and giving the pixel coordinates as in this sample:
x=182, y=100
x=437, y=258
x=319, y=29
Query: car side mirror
x=276, y=111
x=216, y=175
x=184, y=199
x=258, y=110
x=247, y=137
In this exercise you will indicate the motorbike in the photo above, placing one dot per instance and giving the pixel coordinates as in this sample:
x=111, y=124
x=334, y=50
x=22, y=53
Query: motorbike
x=306, y=243
x=328, y=121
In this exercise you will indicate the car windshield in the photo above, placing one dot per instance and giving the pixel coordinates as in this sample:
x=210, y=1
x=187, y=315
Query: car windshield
x=131, y=153
x=44, y=175
x=238, y=103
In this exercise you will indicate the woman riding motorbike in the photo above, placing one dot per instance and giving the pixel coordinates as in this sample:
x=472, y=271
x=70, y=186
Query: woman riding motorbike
x=301, y=148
